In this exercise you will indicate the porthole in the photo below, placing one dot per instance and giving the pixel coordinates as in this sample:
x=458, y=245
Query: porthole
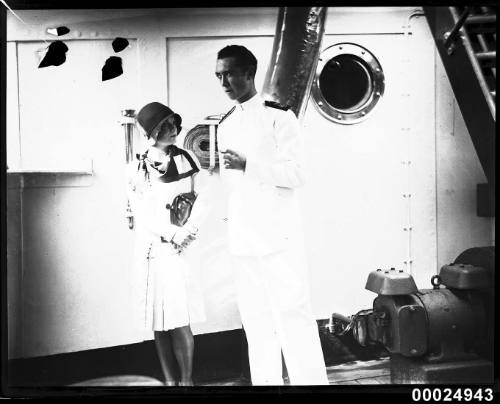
x=349, y=82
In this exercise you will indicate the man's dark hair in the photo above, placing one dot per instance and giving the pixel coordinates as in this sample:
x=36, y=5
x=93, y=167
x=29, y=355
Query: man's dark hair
x=243, y=57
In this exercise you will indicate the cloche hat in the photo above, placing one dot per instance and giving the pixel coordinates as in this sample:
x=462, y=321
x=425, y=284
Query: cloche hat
x=153, y=114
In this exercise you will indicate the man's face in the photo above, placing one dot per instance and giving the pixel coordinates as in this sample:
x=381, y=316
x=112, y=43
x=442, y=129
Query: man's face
x=236, y=82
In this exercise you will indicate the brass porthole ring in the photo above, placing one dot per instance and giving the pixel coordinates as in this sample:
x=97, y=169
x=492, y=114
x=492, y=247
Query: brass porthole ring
x=348, y=83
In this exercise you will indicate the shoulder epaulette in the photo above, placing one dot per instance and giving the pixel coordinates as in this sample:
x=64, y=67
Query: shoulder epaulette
x=277, y=105
x=229, y=113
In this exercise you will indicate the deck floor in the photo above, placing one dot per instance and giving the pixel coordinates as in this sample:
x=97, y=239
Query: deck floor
x=353, y=373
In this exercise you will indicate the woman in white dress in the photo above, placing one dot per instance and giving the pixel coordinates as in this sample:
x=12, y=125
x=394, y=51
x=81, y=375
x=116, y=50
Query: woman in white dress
x=163, y=172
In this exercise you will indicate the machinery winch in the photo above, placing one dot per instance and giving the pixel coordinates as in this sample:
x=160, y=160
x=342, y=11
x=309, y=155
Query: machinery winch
x=438, y=335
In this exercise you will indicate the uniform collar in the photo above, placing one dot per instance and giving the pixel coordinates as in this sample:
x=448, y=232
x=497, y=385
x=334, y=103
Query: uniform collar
x=251, y=103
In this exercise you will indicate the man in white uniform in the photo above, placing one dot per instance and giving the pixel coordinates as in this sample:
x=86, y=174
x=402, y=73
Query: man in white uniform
x=261, y=161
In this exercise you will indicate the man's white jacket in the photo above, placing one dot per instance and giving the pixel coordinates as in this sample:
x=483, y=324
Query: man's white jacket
x=263, y=212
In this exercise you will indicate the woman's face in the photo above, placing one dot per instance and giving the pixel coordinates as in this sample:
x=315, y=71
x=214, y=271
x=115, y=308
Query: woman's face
x=167, y=133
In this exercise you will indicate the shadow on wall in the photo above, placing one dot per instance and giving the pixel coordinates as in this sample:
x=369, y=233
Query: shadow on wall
x=218, y=356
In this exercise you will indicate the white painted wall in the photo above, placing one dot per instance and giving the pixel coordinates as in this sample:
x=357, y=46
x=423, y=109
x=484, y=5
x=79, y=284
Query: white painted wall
x=70, y=252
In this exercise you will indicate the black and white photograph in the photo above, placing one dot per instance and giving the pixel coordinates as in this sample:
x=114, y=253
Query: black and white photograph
x=272, y=199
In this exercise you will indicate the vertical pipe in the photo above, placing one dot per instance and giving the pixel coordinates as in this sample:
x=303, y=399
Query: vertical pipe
x=297, y=43
x=211, y=136
x=128, y=122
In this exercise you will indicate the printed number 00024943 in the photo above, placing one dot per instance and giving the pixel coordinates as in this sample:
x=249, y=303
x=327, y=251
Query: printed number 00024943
x=451, y=394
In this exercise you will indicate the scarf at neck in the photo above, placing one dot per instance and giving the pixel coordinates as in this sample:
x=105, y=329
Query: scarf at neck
x=176, y=164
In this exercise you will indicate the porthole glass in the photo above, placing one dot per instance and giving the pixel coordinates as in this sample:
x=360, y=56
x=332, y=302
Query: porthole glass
x=348, y=84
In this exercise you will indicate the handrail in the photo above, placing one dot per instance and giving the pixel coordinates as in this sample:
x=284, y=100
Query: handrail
x=475, y=64
x=452, y=36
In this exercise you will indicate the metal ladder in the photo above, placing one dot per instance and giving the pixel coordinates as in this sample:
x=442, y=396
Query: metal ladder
x=476, y=28
x=466, y=40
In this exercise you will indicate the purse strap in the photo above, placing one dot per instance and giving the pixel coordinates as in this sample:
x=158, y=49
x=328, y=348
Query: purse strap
x=192, y=183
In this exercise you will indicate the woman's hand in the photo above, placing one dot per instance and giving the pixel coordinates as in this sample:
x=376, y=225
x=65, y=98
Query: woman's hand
x=183, y=237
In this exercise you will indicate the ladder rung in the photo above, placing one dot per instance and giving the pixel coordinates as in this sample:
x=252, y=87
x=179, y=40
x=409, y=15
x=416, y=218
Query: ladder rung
x=481, y=19
x=481, y=29
x=486, y=56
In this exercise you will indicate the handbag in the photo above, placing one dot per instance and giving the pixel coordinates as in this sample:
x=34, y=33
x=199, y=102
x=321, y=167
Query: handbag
x=181, y=206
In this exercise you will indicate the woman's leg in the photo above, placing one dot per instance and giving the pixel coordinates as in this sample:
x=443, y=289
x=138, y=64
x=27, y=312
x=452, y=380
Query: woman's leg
x=183, y=345
x=163, y=340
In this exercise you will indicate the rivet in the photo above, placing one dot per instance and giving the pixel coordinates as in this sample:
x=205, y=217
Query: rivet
x=377, y=94
x=320, y=103
x=413, y=351
x=377, y=69
x=362, y=52
x=340, y=47
x=363, y=113
x=339, y=116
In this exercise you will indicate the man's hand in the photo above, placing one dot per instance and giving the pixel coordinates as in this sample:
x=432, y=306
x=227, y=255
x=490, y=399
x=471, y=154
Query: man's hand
x=234, y=160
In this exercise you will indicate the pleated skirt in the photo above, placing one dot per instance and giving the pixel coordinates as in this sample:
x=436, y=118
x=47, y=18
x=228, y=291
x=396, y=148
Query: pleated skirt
x=173, y=297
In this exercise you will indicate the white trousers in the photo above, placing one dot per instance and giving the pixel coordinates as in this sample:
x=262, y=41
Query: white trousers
x=274, y=304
